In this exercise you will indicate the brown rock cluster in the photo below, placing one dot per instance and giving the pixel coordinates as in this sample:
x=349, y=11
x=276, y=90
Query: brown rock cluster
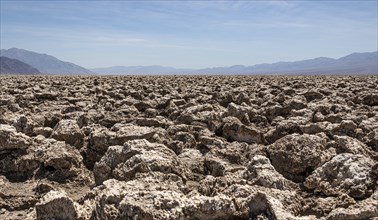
x=188, y=147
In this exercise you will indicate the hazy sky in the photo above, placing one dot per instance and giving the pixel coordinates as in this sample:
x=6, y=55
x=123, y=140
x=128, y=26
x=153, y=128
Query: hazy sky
x=191, y=34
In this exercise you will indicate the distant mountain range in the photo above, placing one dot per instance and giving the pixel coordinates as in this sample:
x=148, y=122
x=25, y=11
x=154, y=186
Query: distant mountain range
x=354, y=64
x=13, y=66
x=44, y=63
x=119, y=70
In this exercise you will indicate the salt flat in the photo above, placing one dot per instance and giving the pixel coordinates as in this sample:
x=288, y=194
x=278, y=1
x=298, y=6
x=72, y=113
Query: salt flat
x=188, y=147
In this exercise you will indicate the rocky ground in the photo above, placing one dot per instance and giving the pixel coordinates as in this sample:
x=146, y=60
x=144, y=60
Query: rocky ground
x=188, y=147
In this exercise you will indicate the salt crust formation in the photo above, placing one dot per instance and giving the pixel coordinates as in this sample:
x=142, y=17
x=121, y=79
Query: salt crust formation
x=188, y=147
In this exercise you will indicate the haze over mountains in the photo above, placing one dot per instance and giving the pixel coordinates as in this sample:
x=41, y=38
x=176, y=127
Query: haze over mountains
x=356, y=64
x=13, y=66
x=44, y=63
x=155, y=69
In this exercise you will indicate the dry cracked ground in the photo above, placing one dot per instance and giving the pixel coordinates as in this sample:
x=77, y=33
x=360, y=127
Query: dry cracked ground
x=188, y=147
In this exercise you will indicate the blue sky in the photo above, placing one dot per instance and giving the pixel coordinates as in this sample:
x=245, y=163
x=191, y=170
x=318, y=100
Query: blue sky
x=190, y=34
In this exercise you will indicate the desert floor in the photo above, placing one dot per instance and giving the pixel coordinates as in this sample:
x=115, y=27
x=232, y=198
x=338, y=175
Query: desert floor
x=188, y=147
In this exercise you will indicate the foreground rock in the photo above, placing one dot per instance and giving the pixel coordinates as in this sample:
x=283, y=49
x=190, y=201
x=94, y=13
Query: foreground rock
x=145, y=199
x=148, y=199
x=296, y=156
x=352, y=174
x=190, y=147
x=262, y=173
x=12, y=140
x=68, y=131
x=137, y=156
x=56, y=205
x=234, y=130
x=366, y=209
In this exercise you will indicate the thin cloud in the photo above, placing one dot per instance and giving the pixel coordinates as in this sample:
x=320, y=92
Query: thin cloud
x=281, y=3
x=269, y=25
x=200, y=32
x=118, y=40
x=90, y=37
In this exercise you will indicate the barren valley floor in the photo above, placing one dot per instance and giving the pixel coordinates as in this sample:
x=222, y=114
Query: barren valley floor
x=188, y=147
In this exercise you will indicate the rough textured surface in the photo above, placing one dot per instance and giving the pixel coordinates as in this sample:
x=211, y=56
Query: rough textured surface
x=68, y=131
x=11, y=139
x=190, y=147
x=295, y=156
x=366, y=209
x=236, y=131
x=137, y=156
x=56, y=205
x=345, y=173
x=261, y=172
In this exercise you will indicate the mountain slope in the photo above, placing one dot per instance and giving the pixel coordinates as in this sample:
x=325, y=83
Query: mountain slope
x=13, y=66
x=139, y=70
x=43, y=62
x=355, y=64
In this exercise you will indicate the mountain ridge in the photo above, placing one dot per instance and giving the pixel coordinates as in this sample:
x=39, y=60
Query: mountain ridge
x=151, y=69
x=45, y=63
x=355, y=63
x=14, y=66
